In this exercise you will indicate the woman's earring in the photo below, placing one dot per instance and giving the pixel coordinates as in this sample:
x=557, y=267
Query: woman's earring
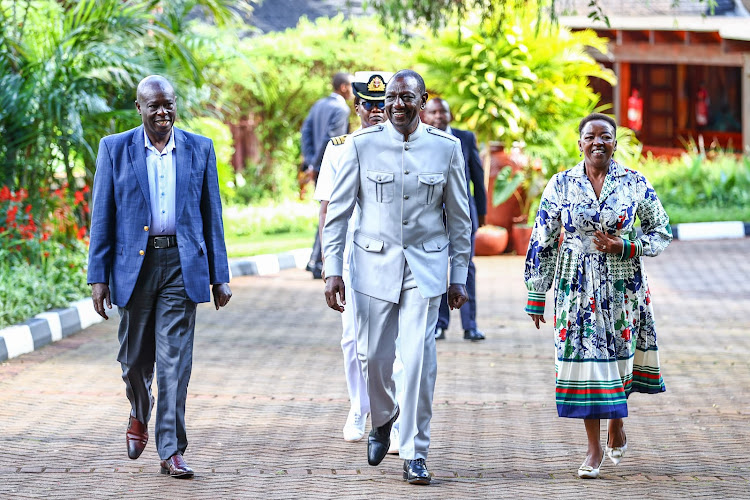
x=580, y=153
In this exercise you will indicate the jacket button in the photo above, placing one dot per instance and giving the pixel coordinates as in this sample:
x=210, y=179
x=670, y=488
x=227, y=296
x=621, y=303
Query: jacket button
x=406, y=222
x=367, y=245
x=406, y=246
x=145, y=228
x=406, y=196
x=141, y=252
x=406, y=147
x=406, y=172
x=378, y=177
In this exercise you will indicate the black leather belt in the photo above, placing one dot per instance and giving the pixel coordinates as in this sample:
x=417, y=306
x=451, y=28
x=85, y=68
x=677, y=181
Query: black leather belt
x=162, y=241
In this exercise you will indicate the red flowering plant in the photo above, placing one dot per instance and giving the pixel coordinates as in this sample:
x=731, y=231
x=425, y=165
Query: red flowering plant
x=33, y=228
x=43, y=249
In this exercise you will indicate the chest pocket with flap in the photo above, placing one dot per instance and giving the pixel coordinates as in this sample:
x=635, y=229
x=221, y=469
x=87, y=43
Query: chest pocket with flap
x=430, y=187
x=380, y=186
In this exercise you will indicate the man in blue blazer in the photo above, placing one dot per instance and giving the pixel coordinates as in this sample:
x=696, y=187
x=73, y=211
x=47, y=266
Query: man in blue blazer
x=438, y=114
x=157, y=247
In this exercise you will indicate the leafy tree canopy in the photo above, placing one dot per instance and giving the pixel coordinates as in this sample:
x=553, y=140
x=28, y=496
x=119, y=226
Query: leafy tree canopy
x=401, y=15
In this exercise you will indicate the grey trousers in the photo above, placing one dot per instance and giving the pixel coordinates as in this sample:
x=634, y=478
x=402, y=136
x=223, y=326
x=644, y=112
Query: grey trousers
x=157, y=326
x=412, y=321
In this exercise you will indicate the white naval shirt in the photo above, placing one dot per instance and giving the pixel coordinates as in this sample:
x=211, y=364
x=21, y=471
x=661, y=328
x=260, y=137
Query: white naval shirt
x=162, y=172
x=329, y=167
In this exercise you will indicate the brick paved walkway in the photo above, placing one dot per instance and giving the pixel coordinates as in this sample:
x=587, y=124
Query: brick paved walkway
x=268, y=399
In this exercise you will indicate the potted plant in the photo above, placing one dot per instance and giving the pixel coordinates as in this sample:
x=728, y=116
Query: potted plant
x=525, y=185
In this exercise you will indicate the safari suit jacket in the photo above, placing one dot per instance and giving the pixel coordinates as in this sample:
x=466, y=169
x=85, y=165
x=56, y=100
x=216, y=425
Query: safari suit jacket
x=402, y=188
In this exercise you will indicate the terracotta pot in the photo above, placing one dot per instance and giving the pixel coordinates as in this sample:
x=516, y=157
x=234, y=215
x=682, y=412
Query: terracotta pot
x=520, y=236
x=503, y=214
x=490, y=240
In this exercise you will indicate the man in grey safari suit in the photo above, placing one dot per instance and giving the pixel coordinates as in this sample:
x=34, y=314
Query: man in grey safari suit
x=157, y=249
x=401, y=174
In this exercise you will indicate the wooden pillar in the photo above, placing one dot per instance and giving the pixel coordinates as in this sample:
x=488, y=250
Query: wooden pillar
x=683, y=100
x=746, y=103
x=621, y=92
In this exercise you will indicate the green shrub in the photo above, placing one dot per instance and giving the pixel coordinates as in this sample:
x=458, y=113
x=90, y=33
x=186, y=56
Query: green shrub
x=223, y=146
x=273, y=80
x=697, y=188
x=43, y=250
x=27, y=290
x=270, y=218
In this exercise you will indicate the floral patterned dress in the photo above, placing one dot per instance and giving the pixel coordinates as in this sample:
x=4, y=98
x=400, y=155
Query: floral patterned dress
x=605, y=335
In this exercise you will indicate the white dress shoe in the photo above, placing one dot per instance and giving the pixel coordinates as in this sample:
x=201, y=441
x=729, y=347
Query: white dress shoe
x=354, y=429
x=588, y=472
x=616, y=452
x=393, y=447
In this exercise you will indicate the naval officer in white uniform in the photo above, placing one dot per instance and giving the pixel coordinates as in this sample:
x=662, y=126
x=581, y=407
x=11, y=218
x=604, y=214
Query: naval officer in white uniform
x=402, y=175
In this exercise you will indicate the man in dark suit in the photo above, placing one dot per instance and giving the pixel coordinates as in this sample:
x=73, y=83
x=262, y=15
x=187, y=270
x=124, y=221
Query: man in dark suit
x=438, y=114
x=328, y=118
x=157, y=248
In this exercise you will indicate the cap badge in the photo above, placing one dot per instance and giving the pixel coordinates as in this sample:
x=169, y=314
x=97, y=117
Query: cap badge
x=376, y=84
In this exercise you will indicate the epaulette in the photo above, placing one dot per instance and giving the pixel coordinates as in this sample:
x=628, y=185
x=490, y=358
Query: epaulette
x=374, y=128
x=441, y=133
x=338, y=141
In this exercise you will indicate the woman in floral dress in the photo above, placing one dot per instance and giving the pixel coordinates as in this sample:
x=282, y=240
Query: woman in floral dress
x=604, y=323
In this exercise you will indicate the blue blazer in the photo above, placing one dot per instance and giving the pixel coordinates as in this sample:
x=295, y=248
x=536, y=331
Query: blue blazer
x=121, y=214
x=474, y=175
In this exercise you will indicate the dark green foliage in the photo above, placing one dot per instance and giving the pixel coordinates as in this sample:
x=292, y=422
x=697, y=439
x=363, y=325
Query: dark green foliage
x=274, y=79
x=700, y=188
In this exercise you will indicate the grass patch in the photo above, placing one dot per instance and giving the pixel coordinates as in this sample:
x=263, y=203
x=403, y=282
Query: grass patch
x=681, y=215
x=246, y=246
x=270, y=227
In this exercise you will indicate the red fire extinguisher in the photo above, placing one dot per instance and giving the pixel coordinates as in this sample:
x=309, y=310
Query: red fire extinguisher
x=701, y=107
x=635, y=111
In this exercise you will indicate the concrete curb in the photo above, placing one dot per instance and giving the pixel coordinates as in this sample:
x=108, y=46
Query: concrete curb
x=710, y=230
x=262, y=265
x=56, y=324
x=46, y=327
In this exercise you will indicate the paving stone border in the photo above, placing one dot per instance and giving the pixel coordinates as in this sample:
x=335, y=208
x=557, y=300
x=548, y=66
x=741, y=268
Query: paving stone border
x=55, y=324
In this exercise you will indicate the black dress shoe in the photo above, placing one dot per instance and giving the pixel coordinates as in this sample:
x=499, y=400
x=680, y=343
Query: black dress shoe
x=136, y=437
x=439, y=333
x=379, y=441
x=316, y=270
x=415, y=472
x=473, y=334
x=176, y=467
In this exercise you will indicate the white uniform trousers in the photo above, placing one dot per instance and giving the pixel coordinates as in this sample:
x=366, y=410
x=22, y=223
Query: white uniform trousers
x=379, y=324
x=355, y=377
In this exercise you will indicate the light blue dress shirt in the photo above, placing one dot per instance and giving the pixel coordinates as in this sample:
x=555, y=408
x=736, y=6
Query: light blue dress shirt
x=162, y=172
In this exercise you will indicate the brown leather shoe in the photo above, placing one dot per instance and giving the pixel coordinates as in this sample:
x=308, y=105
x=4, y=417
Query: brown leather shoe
x=136, y=437
x=176, y=467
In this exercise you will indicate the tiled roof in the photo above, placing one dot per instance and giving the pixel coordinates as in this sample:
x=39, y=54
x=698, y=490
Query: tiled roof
x=278, y=15
x=650, y=7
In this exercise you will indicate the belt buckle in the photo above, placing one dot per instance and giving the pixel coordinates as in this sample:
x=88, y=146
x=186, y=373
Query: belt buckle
x=161, y=241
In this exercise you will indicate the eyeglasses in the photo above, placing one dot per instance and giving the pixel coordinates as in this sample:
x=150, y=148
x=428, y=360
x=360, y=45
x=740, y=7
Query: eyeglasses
x=368, y=105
